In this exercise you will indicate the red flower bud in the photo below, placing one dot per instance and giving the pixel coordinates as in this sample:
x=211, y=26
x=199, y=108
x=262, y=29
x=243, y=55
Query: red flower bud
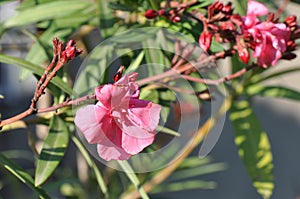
x=227, y=9
x=176, y=19
x=290, y=19
x=205, y=40
x=119, y=74
x=244, y=55
x=151, y=14
x=243, y=51
x=162, y=12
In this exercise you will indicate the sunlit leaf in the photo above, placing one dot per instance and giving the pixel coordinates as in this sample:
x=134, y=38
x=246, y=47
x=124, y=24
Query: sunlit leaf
x=273, y=91
x=265, y=77
x=22, y=175
x=254, y=147
x=167, y=130
x=196, y=171
x=185, y=186
x=54, y=9
x=54, y=147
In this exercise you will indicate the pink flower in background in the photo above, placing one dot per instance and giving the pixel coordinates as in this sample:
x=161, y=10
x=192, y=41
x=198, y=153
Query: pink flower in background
x=271, y=42
x=254, y=9
x=269, y=38
x=120, y=124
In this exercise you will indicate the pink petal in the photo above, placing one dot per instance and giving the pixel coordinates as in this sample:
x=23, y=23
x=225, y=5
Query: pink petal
x=127, y=78
x=140, y=120
x=103, y=94
x=133, y=145
x=87, y=122
x=109, y=151
x=144, y=113
x=111, y=146
x=256, y=8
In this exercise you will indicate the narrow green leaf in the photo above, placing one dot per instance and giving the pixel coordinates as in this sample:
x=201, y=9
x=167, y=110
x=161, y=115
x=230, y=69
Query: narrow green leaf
x=135, y=63
x=240, y=6
x=51, y=10
x=197, y=171
x=35, y=70
x=54, y=147
x=274, y=91
x=254, y=147
x=276, y=74
x=184, y=186
x=167, y=130
x=133, y=178
x=93, y=166
x=22, y=175
x=106, y=19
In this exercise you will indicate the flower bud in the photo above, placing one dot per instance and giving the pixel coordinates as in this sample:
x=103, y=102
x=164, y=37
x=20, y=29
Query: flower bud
x=176, y=19
x=243, y=51
x=151, y=14
x=227, y=9
x=205, y=40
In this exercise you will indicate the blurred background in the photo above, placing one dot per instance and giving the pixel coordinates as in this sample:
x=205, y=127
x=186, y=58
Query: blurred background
x=279, y=118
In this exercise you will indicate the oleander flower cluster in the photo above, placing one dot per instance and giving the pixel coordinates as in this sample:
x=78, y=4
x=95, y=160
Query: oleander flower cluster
x=266, y=40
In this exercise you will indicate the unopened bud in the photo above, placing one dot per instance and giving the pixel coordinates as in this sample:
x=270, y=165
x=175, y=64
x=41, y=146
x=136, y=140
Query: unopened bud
x=162, y=12
x=176, y=19
x=205, y=40
x=151, y=14
x=227, y=9
x=119, y=74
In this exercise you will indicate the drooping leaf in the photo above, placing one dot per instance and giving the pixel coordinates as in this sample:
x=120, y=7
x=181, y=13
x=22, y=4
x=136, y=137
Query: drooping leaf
x=22, y=175
x=273, y=91
x=265, y=77
x=185, y=186
x=184, y=174
x=54, y=147
x=50, y=10
x=254, y=147
x=35, y=70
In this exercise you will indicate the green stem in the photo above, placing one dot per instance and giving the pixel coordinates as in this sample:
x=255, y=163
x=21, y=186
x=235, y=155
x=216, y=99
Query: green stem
x=133, y=178
x=92, y=164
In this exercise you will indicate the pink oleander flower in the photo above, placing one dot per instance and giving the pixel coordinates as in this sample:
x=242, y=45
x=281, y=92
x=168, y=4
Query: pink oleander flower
x=254, y=9
x=120, y=123
x=271, y=42
x=269, y=38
